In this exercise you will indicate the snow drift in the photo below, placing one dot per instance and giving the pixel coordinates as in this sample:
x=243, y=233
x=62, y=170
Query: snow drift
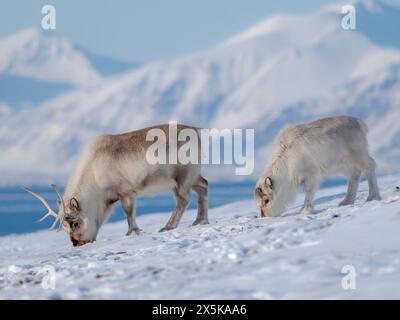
x=236, y=256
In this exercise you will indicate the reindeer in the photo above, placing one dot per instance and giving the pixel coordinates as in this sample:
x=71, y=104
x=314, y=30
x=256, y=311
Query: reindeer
x=115, y=168
x=306, y=153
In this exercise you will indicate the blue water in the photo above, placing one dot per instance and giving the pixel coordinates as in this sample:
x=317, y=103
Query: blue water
x=20, y=210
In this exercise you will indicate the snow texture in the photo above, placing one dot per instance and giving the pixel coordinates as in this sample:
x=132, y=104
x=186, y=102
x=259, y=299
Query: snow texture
x=236, y=256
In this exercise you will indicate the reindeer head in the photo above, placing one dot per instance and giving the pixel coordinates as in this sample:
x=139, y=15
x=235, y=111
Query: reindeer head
x=71, y=218
x=264, y=196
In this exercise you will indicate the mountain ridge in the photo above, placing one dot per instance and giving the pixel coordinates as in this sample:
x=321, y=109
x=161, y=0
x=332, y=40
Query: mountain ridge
x=286, y=76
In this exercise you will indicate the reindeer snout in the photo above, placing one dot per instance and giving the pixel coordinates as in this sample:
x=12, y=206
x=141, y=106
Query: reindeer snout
x=77, y=243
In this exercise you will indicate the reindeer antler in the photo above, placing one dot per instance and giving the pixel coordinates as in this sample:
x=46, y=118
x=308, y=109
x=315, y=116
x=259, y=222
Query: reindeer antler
x=61, y=218
x=50, y=211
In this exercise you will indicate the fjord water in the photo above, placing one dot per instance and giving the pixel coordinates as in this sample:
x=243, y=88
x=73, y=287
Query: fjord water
x=19, y=210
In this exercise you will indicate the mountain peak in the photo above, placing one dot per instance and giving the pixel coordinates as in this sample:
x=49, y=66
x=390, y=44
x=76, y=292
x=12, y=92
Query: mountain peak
x=30, y=53
x=24, y=35
x=262, y=28
x=375, y=20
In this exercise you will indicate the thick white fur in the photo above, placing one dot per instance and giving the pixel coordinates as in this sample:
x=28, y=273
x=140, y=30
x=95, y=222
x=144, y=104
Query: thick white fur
x=306, y=153
x=82, y=185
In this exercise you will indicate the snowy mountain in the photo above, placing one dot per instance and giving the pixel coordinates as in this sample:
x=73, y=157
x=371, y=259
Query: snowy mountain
x=236, y=256
x=285, y=69
x=35, y=66
x=31, y=54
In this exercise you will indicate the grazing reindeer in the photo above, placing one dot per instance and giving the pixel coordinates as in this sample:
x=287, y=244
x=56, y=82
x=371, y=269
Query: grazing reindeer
x=306, y=153
x=115, y=168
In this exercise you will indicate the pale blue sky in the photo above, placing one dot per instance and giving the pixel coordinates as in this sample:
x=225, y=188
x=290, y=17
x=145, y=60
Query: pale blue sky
x=144, y=30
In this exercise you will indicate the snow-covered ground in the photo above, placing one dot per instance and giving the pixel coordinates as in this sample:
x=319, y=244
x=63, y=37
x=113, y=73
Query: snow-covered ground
x=236, y=256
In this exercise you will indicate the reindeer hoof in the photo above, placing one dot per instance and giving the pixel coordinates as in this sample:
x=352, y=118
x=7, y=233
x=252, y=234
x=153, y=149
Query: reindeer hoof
x=371, y=198
x=345, y=203
x=196, y=222
x=306, y=210
x=136, y=231
x=166, y=228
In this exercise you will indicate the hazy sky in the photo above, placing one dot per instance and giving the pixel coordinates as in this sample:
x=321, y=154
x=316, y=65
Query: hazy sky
x=143, y=30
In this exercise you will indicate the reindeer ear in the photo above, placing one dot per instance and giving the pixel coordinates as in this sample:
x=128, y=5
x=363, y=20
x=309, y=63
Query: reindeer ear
x=74, y=204
x=268, y=182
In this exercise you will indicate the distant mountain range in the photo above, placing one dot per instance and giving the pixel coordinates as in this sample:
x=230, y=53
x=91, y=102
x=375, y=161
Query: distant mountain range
x=35, y=67
x=285, y=69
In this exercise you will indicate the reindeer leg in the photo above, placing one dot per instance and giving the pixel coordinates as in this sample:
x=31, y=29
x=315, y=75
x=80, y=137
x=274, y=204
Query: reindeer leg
x=128, y=204
x=372, y=182
x=182, y=197
x=352, y=187
x=310, y=188
x=201, y=188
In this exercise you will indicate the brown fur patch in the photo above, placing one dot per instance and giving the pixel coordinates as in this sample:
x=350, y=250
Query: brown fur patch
x=132, y=142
